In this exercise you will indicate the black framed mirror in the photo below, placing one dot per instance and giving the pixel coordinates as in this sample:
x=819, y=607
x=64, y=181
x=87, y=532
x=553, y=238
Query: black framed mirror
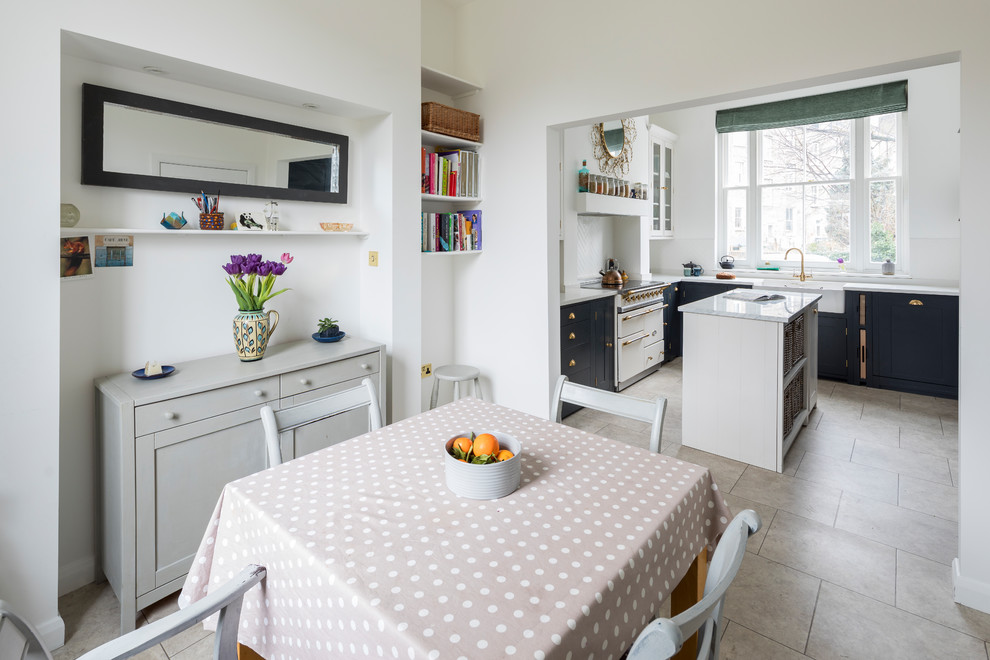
x=131, y=140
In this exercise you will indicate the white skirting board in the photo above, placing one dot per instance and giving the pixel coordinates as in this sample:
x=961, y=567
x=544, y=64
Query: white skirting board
x=52, y=633
x=970, y=593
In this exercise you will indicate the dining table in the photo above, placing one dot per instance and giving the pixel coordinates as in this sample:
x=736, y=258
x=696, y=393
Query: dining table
x=369, y=554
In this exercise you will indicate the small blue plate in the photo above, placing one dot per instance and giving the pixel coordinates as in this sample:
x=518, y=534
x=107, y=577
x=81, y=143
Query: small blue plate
x=166, y=371
x=326, y=340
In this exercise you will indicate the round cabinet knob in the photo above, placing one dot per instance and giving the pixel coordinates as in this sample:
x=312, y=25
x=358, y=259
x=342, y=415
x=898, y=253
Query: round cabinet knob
x=259, y=393
x=170, y=415
x=365, y=366
x=572, y=363
x=305, y=381
x=572, y=336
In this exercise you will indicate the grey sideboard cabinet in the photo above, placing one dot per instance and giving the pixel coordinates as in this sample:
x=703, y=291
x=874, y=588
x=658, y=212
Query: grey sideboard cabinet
x=168, y=446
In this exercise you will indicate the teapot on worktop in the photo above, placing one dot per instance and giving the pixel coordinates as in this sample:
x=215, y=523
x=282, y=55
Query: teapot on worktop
x=691, y=268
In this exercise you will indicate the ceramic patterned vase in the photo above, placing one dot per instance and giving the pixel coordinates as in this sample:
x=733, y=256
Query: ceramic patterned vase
x=252, y=330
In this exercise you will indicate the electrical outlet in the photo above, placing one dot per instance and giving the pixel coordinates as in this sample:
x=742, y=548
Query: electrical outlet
x=372, y=258
x=427, y=369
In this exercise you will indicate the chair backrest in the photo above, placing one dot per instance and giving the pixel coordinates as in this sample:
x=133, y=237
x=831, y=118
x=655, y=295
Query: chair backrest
x=276, y=422
x=225, y=599
x=662, y=638
x=18, y=638
x=623, y=405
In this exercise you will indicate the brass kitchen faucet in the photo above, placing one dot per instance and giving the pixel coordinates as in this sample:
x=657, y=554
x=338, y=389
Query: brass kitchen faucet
x=802, y=276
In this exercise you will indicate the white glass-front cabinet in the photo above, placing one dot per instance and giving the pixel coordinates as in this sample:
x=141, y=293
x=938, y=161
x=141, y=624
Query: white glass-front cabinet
x=661, y=182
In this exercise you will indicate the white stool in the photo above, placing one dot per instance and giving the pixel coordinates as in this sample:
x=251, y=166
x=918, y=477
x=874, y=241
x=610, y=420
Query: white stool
x=455, y=373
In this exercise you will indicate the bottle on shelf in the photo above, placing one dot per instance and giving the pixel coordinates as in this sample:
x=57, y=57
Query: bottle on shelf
x=583, y=177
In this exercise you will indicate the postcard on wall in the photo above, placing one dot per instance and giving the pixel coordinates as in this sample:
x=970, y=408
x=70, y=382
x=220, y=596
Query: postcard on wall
x=74, y=258
x=113, y=250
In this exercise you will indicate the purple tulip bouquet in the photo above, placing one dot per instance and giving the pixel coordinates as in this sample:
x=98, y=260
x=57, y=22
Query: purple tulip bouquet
x=252, y=279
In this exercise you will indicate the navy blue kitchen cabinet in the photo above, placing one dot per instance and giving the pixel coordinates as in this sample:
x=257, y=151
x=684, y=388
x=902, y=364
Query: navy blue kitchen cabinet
x=907, y=342
x=587, y=353
x=671, y=324
x=832, y=350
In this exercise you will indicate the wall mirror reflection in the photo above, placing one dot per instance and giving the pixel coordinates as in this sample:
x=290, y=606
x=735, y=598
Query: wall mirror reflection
x=135, y=141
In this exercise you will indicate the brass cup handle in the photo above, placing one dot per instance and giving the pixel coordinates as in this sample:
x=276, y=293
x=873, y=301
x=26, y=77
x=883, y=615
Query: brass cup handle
x=572, y=336
x=571, y=363
x=571, y=316
x=916, y=302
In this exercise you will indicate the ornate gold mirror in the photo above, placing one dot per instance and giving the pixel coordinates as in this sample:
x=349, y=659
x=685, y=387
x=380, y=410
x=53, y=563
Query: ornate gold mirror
x=612, y=142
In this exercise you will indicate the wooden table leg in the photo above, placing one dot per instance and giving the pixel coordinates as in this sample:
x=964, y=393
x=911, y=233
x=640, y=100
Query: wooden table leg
x=688, y=592
x=245, y=653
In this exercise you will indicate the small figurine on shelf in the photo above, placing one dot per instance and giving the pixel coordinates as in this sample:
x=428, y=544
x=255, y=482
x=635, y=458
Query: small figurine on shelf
x=249, y=223
x=271, y=216
x=174, y=220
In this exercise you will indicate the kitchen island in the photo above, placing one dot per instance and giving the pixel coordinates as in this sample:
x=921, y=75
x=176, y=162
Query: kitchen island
x=750, y=373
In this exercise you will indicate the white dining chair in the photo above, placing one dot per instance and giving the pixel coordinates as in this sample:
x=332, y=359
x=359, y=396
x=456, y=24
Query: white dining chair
x=226, y=599
x=276, y=422
x=662, y=638
x=649, y=411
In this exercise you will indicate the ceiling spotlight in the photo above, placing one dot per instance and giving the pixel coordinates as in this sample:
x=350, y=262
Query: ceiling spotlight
x=154, y=69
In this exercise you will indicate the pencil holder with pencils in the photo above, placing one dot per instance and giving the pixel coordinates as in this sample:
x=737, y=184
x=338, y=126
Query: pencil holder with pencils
x=211, y=220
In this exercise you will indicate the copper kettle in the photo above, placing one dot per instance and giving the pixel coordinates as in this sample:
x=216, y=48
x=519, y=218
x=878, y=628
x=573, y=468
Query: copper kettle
x=611, y=276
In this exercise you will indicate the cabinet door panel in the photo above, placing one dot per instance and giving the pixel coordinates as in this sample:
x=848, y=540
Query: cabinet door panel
x=831, y=345
x=915, y=338
x=180, y=474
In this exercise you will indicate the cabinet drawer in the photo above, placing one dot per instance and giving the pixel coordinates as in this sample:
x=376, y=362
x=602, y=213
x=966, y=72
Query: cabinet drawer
x=575, y=313
x=304, y=380
x=183, y=410
x=581, y=357
x=573, y=335
x=654, y=353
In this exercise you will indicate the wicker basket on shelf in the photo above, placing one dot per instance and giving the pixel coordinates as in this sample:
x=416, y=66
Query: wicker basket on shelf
x=439, y=118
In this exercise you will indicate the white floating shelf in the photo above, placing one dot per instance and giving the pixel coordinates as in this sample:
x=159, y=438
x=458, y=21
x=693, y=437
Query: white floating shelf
x=439, y=139
x=451, y=254
x=78, y=231
x=445, y=83
x=448, y=198
x=606, y=205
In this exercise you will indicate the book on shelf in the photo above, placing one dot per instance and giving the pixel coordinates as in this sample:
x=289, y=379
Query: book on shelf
x=451, y=232
x=452, y=173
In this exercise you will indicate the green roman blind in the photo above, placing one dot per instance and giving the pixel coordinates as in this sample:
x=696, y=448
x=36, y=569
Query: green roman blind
x=847, y=104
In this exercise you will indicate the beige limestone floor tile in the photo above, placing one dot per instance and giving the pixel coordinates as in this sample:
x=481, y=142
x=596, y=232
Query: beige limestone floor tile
x=616, y=420
x=950, y=427
x=924, y=587
x=825, y=387
x=874, y=431
x=792, y=461
x=928, y=404
x=584, y=421
x=92, y=617
x=766, y=514
x=725, y=471
x=841, y=408
x=929, y=442
x=835, y=445
x=780, y=491
x=773, y=600
x=848, y=625
x=740, y=643
x=902, y=528
x=954, y=471
x=839, y=557
x=929, y=497
x=903, y=461
x=814, y=418
x=886, y=414
x=201, y=650
x=851, y=477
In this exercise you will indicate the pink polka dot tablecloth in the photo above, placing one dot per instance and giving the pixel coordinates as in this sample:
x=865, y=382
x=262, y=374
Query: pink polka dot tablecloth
x=370, y=555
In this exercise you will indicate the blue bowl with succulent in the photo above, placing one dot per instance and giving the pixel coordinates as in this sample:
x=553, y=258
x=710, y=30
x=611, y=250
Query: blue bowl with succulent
x=328, y=331
x=173, y=221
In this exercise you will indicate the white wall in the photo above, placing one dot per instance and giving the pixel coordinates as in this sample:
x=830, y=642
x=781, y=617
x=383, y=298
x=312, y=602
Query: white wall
x=305, y=45
x=554, y=69
x=932, y=175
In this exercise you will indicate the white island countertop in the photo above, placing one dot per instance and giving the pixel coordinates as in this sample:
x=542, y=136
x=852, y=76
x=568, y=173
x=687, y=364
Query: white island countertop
x=740, y=303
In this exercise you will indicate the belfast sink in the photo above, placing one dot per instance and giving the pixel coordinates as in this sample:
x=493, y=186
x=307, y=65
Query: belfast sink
x=832, y=293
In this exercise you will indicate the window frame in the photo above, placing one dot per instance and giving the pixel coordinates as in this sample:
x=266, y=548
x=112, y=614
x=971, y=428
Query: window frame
x=859, y=202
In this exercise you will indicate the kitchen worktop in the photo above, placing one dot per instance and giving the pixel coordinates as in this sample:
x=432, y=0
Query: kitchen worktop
x=571, y=295
x=738, y=303
x=881, y=283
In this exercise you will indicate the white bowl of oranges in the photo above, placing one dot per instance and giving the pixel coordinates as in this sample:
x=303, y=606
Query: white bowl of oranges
x=482, y=466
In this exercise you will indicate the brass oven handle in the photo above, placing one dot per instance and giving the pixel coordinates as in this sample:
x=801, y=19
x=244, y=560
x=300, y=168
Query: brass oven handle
x=571, y=363
x=632, y=316
x=916, y=302
x=571, y=316
x=572, y=336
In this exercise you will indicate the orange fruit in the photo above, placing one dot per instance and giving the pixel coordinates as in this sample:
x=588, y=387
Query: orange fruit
x=464, y=444
x=485, y=444
x=504, y=455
